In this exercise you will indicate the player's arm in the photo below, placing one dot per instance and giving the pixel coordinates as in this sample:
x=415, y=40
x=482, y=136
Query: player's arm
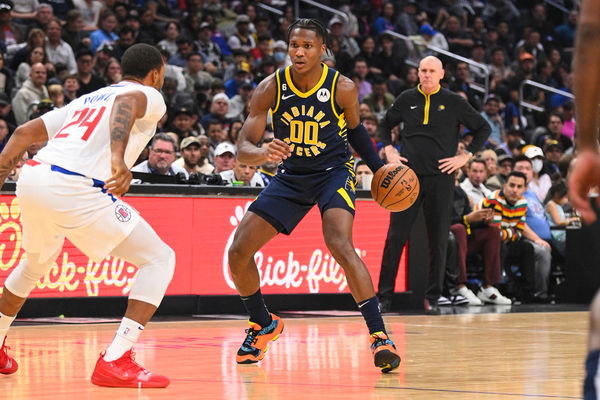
x=31, y=132
x=586, y=86
x=126, y=109
x=252, y=131
x=347, y=98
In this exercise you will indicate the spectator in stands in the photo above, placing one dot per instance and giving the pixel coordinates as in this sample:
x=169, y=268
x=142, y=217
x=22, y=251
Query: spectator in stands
x=242, y=39
x=368, y=53
x=6, y=112
x=216, y=135
x=432, y=37
x=171, y=30
x=499, y=70
x=71, y=86
x=565, y=33
x=387, y=20
x=57, y=50
x=190, y=155
x=88, y=82
x=35, y=38
x=90, y=11
x=149, y=32
x=33, y=89
x=4, y=134
x=242, y=175
x=408, y=23
x=569, y=123
x=475, y=234
x=224, y=157
x=56, y=95
x=491, y=158
x=10, y=33
x=361, y=169
x=459, y=40
x=104, y=53
x=379, y=100
x=537, y=231
x=183, y=121
x=474, y=184
x=539, y=182
x=553, y=131
x=218, y=111
x=185, y=46
x=234, y=131
x=531, y=45
x=463, y=82
x=241, y=76
x=112, y=71
x=106, y=30
x=359, y=75
x=556, y=200
x=211, y=51
x=73, y=32
x=44, y=13
x=37, y=55
x=553, y=152
x=161, y=157
x=238, y=105
x=127, y=37
x=509, y=208
x=491, y=115
x=347, y=44
x=262, y=49
x=204, y=166
x=194, y=73
x=504, y=167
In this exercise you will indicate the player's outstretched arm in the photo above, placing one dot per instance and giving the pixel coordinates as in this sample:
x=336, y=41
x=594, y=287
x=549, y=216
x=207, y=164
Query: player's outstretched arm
x=126, y=109
x=586, y=85
x=26, y=134
x=347, y=98
x=252, y=131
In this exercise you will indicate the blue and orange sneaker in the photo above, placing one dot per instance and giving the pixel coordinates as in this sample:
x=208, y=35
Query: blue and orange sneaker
x=384, y=352
x=257, y=341
x=8, y=365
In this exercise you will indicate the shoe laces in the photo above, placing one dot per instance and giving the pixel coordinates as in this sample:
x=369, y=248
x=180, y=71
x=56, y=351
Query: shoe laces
x=251, y=337
x=379, y=341
x=129, y=363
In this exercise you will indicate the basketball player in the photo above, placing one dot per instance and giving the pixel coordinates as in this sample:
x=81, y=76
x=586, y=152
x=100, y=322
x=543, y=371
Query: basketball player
x=70, y=188
x=315, y=115
x=585, y=174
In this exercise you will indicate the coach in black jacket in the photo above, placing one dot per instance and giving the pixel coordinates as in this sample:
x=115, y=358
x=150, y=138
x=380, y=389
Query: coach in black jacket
x=429, y=141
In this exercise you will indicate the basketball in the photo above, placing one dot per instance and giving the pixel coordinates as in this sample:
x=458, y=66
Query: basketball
x=395, y=187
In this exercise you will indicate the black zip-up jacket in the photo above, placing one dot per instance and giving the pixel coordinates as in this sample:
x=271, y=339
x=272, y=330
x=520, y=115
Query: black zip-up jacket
x=431, y=127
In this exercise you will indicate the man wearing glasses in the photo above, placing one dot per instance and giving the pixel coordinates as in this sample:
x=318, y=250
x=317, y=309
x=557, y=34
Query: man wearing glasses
x=161, y=157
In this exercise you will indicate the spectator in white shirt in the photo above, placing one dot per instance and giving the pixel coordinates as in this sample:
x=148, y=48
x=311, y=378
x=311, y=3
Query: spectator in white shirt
x=473, y=185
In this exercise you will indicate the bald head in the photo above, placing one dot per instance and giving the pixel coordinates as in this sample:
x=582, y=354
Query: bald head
x=38, y=75
x=431, y=72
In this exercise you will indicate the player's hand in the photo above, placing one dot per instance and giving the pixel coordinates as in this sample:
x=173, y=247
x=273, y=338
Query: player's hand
x=451, y=164
x=392, y=155
x=584, y=176
x=118, y=183
x=277, y=150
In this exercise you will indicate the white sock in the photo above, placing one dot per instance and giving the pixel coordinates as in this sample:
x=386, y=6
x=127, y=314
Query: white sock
x=126, y=336
x=5, y=322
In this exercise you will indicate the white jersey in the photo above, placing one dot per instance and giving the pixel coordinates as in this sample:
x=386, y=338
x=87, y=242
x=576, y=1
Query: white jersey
x=79, y=133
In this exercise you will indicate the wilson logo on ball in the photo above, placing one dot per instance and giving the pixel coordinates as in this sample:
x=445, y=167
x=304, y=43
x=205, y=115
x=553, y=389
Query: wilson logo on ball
x=388, y=178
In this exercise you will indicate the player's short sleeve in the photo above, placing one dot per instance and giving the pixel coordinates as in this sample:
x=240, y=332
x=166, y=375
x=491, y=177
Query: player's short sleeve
x=54, y=120
x=155, y=107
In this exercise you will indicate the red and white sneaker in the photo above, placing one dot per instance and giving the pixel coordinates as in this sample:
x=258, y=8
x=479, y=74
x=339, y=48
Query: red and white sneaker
x=8, y=365
x=125, y=372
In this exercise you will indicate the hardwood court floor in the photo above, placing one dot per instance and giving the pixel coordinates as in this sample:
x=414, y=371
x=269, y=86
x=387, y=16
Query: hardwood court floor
x=469, y=356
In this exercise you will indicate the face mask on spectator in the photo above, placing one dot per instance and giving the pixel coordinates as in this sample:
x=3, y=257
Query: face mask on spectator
x=537, y=165
x=279, y=56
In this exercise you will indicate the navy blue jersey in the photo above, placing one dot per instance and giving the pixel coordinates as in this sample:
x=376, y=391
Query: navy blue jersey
x=311, y=123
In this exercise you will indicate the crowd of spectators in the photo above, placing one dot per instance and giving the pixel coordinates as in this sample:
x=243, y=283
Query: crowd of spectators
x=52, y=51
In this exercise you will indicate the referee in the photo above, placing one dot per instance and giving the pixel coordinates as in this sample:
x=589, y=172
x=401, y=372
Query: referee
x=429, y=140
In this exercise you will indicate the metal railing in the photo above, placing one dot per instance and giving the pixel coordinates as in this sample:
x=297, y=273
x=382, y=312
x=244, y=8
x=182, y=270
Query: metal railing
x=557, y=6
x=321, y=6
x=269, y=8
x=416, y=56
x=535, y=107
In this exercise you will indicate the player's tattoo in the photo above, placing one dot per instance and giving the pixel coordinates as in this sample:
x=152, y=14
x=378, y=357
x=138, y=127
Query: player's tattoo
x=7, y=167
x=121, y=122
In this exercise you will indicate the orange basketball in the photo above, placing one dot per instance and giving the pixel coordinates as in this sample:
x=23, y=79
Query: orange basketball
x=395, y=187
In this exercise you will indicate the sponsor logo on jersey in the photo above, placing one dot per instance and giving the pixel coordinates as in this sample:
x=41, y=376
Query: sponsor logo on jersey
x=323, y=95
x=123, y=213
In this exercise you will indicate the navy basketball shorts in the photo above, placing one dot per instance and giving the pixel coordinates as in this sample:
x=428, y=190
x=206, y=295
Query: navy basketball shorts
x=289, y=197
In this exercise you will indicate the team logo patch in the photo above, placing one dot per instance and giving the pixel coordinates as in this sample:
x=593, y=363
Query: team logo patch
x=441, y=107
x=123, y=213
x=323, y=95
x=349, y=186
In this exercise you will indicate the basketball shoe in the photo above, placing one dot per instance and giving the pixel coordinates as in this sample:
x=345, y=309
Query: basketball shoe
x=8, y=365
x=125, y=372
x=384, y=352
x=257, y=341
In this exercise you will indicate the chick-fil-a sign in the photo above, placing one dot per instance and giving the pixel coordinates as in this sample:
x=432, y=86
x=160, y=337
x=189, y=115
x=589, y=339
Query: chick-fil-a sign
x=200, y=230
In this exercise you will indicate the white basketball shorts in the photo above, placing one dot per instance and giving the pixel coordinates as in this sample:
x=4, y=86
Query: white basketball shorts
x=56, y=203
